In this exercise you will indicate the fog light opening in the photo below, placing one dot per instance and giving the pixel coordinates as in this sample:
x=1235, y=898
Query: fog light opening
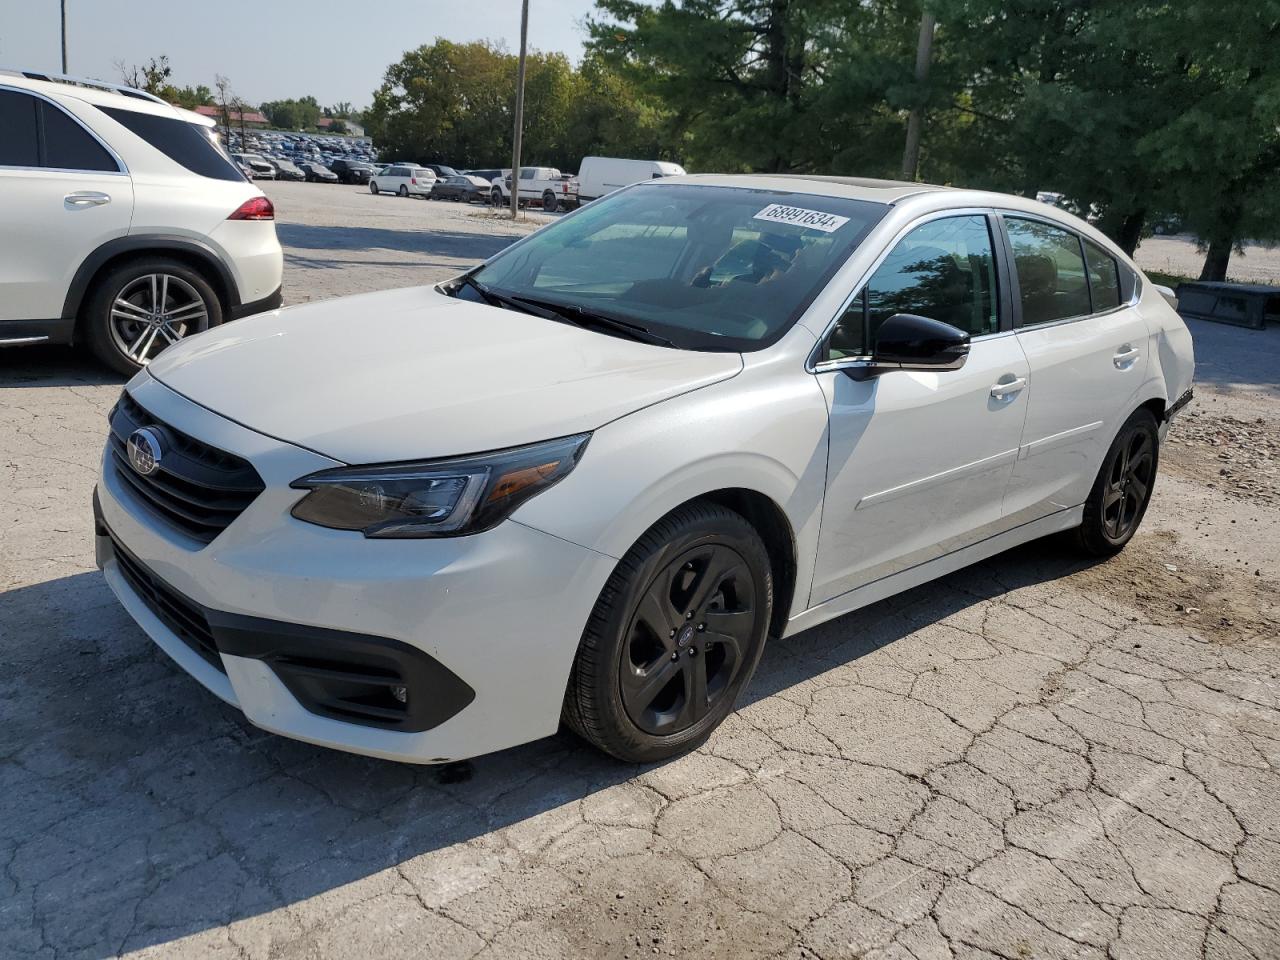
x=401, y=694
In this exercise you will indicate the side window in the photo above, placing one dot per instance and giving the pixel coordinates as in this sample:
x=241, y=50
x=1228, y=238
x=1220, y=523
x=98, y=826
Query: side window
x=1051, y=272
x=526, y=173
x=944, y=270
x=1104, y=277
x=68, y=146
x=186, y=144
x=19, y=146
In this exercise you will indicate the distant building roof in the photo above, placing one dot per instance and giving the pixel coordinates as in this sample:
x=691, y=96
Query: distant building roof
x=250, y=116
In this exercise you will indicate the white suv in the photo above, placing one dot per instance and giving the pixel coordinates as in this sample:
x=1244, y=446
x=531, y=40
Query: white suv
x=587, y=479
x=126, y=225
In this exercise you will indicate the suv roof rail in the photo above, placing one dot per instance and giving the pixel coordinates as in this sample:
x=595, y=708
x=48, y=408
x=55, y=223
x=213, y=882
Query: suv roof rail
x=85, y=82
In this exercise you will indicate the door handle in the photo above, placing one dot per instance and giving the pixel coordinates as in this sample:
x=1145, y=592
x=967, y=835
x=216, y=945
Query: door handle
x=86, y=198
x=1125, y=357
x=1007, y=388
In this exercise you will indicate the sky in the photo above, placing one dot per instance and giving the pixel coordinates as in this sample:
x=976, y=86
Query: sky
x=334, y=50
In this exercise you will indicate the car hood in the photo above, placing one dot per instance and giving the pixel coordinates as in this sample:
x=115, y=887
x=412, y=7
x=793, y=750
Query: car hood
x=413, y=374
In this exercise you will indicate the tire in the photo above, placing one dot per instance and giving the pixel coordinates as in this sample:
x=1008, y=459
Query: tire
x=403, y=191
x=550, y=202
x=1122, y=490
x=640, y=659
x=373, y=188
x=495, y=197
x=119, y=308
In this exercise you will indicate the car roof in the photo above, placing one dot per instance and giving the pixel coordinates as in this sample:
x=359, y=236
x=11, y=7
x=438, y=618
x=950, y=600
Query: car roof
x=98, y=93
x=856, y=188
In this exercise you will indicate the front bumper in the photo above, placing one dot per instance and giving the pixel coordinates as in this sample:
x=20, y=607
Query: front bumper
x=497, y=615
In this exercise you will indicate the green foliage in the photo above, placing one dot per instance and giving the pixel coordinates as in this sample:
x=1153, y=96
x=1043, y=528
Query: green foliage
x=301, y=114
x=454, y=103
x=154, y=78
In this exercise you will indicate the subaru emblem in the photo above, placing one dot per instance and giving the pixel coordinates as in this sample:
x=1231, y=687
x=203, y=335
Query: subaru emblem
x=144, y=451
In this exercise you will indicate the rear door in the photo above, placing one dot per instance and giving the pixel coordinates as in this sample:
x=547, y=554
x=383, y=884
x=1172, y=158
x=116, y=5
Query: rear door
x=918, y=462
x=1086, y=346
x=63, y=194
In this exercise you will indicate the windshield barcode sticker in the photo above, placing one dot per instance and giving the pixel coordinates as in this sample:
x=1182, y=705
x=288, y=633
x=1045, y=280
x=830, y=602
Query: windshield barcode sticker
x=800, y=217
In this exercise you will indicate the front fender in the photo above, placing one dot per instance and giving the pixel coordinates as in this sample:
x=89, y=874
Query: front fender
x=764, y=431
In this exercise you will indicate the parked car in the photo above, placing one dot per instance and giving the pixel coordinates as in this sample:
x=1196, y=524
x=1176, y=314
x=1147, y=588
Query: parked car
x=351, y=171
x=599, y=176
x=406, y=181
x=462, y=188
x=545, y=186
x=488, y=176
x=587, y=479
x=287, y=169
x=440, y=170
x=318, y=172
x=262, y=168
x=127, y=227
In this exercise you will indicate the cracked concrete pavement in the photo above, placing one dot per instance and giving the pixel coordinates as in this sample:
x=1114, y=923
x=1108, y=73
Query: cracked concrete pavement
x=1037, y=757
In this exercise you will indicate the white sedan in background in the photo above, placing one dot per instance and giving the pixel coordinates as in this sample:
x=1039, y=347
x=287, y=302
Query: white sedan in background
x=589, y=479
x=403, y=180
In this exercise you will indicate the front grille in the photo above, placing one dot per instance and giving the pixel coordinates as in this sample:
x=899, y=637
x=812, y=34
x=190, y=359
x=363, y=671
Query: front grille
x=198, y=489
x=174, y=610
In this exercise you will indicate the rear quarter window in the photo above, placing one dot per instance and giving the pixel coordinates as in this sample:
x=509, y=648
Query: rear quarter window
x=186, y=144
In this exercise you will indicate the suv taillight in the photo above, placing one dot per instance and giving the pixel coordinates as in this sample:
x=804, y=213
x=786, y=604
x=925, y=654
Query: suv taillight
x=258, y=208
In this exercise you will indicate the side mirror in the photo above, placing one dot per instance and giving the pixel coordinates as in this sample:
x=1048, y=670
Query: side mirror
x=909, y=342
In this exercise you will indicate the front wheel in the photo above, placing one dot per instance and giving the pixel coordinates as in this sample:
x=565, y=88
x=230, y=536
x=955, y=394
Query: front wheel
x=674, y=637
x=373, y=188
x=140, y=308
x=1122, y=489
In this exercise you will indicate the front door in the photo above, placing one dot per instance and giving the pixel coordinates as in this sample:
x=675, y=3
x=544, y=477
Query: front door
x=918, y=462
x=63, y=195
x=1088, y=357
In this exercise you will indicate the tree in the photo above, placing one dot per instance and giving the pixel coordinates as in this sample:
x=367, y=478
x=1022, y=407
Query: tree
x=152, y=76
x=338, y=127
x=300, y=114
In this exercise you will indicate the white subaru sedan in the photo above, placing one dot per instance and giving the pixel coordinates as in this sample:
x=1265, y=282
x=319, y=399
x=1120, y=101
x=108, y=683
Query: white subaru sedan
x=587, y=480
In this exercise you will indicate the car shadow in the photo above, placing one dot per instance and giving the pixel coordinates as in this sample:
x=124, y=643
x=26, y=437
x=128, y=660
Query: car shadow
x=54, y=366
x=137, y=808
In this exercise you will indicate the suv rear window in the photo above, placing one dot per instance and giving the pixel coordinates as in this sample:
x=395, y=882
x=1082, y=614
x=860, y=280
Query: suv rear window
x=18, y=146
x=67, y=146
x=39, y=134
x=182, y=142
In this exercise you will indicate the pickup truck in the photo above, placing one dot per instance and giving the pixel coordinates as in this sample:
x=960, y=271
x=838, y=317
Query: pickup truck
x=546, y=186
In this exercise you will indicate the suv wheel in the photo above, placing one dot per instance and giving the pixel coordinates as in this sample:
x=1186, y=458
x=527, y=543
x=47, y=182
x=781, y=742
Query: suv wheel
x=1122, y=489
x=674, y=637
x=139, y=309
x=373, y=187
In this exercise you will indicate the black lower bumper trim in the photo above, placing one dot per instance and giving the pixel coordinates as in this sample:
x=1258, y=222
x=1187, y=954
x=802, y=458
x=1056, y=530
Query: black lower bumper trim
x=21, y=332
x=352, y=677
x=270, y=302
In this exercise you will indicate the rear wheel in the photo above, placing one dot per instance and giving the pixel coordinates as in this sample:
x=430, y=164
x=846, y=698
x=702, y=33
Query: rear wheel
x=403, y=191
x=1122, y=489
x=550, y=202
x=674, y=637
x=142, y=307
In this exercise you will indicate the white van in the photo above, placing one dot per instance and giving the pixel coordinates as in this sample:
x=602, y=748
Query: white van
x=600, y=175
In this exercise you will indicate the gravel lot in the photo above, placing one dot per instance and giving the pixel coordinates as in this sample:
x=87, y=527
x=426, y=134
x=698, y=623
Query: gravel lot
x=1034, y=758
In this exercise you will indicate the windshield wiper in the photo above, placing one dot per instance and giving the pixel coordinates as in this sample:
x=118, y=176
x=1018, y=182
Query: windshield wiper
x=582, y=317
x=493, y=298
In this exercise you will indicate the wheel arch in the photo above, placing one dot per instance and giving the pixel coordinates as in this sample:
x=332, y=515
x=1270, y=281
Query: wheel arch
x=199, y=256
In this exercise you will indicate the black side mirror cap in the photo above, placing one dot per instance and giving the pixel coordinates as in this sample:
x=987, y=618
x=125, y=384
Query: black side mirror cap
x=907, y=341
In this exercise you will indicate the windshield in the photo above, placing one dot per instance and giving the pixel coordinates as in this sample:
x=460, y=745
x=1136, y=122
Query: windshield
x=708, y=268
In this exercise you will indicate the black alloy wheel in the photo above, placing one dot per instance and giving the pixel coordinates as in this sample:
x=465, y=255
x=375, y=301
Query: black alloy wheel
x=686, y=640
x=674, y=637
x=1122, y=490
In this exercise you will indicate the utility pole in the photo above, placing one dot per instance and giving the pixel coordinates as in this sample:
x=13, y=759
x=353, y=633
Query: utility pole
x=519, y=129
x=64, y=35
x=924, y=53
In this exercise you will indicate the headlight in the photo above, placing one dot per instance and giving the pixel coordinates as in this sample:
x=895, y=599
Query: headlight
x=435, y=498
